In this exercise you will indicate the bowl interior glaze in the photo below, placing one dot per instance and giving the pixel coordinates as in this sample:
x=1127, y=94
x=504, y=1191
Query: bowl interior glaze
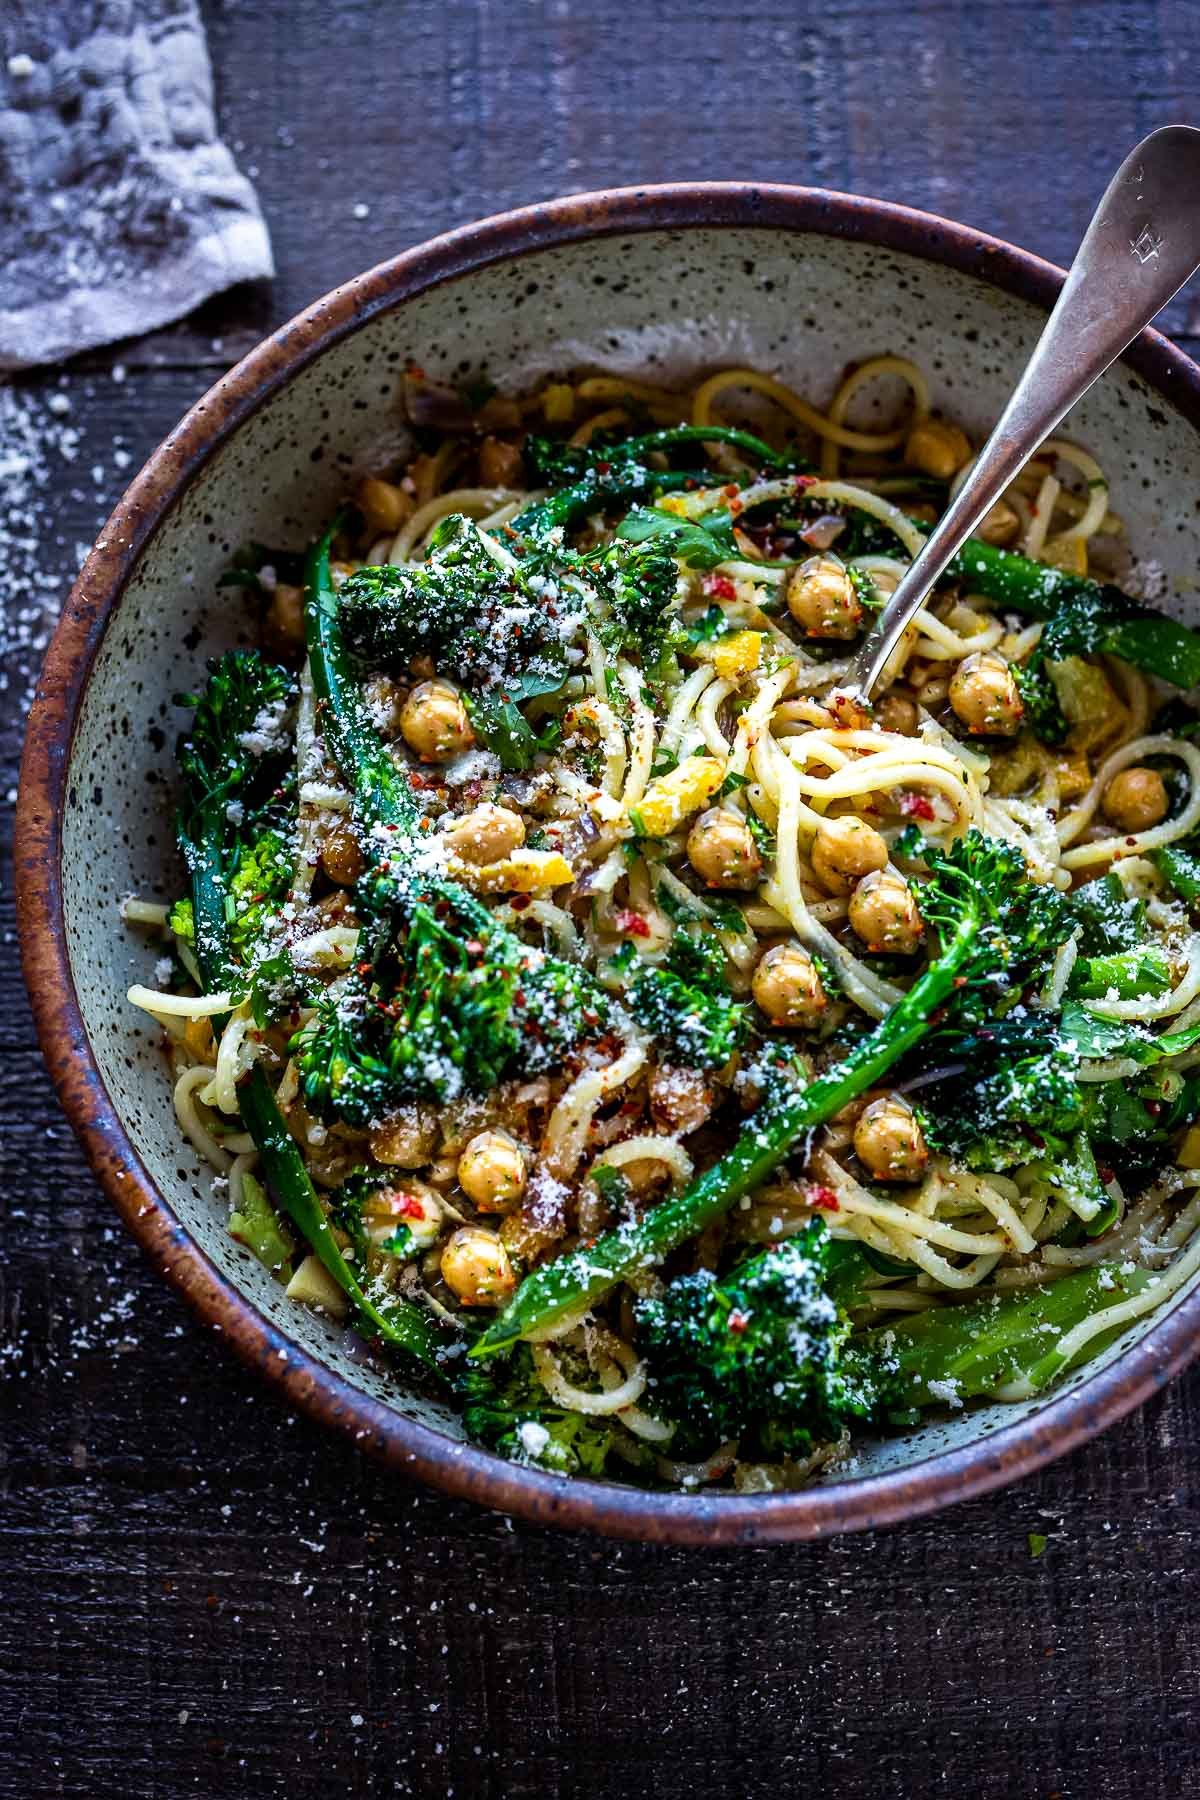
x=661, y=303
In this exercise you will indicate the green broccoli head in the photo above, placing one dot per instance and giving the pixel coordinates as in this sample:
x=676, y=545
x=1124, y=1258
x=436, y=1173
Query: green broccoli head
x=506, y=1408
x=343, y=1075
x=260, y=880
x=759, y=1355
x=979, y=890
x=1009, y=1093
x=232, y=765
x=686, y=1004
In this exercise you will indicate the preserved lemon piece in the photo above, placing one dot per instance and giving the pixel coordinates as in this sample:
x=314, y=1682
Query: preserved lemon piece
x=736, y=654
x=669, y=800
x=524, y=872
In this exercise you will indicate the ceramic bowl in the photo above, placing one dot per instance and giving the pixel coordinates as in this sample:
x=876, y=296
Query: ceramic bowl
x=659, y=282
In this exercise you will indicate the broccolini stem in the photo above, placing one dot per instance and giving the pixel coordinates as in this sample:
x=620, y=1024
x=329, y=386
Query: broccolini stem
x=1006, y=1341
x=1122, y=626
x=381, y=795
x=289, y=1180
x=575, y=1280
x=629, y=475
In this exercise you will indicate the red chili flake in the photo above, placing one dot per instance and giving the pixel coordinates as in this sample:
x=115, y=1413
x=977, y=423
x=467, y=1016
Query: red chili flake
x=364, y=968
x=917, y=806
x=1106, y=1174
x=823, y=1198
x=800, y=482
x=1153, y=1107
x=632, y=924
x=407, y=1206
x=520, y=901
x=719, y=587
x=738, y=1321
x=730, y=490
x=604, y=468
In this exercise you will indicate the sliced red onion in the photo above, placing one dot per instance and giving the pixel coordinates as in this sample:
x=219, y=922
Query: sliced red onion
x=825, y=531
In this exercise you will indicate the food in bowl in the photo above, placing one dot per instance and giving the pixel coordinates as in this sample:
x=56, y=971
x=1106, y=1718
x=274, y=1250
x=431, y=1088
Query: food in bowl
x=590, y=1001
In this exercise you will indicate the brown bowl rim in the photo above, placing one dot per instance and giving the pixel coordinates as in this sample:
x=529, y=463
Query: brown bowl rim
x=458, y=1469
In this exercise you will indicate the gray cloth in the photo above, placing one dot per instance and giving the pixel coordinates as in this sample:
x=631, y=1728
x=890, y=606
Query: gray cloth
x=120, y=209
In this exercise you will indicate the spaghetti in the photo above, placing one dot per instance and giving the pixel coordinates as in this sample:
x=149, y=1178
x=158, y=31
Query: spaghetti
x=680, y=803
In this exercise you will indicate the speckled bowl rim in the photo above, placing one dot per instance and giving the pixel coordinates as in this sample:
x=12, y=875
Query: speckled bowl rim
x=458, y=1469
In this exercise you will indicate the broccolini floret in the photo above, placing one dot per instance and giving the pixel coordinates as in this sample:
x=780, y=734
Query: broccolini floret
x=231, y=764
x=686, y=1004
x=508, y=1410
x=757, y=1356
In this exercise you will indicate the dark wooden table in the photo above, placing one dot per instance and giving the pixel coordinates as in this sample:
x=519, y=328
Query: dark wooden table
x=203, y=1596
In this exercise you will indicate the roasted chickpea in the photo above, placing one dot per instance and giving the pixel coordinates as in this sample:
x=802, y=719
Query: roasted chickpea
x=984, y=695
x=476, y=1269
x=888, y=1140
x=491, y=1171
x=385, y=701
x=1000, y=525
x=680, y=1099
x=896, y=712
x=382, y=504
x=722, y=851
x=1135, y=800
x=788, y=988
x=884, y=914
x=341, y=858
x=434, y=722
x=486, y=835
x=406, y=1139
x=283, y=626
x=500, y=463
x=844, y=850
x=822, y=599
x=937, y=449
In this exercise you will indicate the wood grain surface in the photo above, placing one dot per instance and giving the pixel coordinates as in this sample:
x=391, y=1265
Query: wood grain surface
x=204, y=1596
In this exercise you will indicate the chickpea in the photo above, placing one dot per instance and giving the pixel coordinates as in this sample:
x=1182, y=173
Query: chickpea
x=937, y=449
x=822, y=599
x=487, y=835
x=434, y=722
x=491, y=1171
x=844, y=850
x=896, y=712
x=1135, y=800
x=500, y=463
x=884, y=914
x=341, y=858
x=476, y=1269
x=788, y=988
x=1000, y=525
x=984, y=695
x=385, y=702
x=382, y=504
x=889, y=1142
x=680, y=1099
x=721, y=849
x=283, y=626
x=406, y=1138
